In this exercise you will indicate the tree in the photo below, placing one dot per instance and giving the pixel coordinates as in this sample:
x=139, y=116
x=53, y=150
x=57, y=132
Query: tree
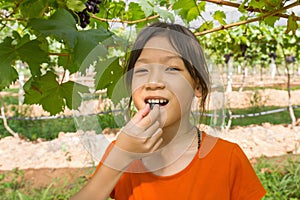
x=45, y=34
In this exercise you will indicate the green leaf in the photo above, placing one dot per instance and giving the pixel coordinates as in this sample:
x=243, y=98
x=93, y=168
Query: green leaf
x=23, y=49
x=26, y=52
x=71, y=91
x=76, y=5
x=53, y=103
x=109, y=74
x=146, y=7
x=292, y=24
x=8, y=74
x=188, y=9
x=61, y=25
x=257, y=4
x=79, y=43
x=44, y=90
x=33, y=9
x=164, y=14
x=206, y=26
x=135, y=12
x=220, y=17
x=87, y=49
x=271, y=20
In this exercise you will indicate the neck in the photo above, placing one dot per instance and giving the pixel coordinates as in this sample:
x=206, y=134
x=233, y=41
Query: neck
x=175, y=133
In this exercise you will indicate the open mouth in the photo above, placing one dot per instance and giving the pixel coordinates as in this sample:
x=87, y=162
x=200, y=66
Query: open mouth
x=160, y=102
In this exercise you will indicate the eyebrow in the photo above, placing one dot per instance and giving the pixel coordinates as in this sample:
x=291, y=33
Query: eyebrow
x=163, y=59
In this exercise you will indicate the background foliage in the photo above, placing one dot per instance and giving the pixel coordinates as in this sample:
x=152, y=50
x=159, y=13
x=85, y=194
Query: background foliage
x=45, y=35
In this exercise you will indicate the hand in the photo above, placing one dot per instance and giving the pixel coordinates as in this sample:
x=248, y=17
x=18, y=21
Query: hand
x=142, y=134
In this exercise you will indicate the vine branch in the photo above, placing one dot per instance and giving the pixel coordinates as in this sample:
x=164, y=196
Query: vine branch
x=6, y=126
x=247, y=21
x=250, y=9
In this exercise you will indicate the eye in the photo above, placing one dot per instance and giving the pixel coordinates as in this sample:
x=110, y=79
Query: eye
x=173, y=68
x=141, y=70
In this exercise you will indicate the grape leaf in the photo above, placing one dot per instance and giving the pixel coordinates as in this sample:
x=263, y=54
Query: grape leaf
x=271, y=20
x=292, y=24
x=61, y=25
x=23, y=49
x=188, y=9
x=33, y=9
x=8, y=74
x=257, y=4
x=76, y=5
x=135, y=12
x=46, y=91
x=71, y=91
x=146, y=7
x=206, y=26
x=220, y=17
x=165, y=14
x=109, y=74
x=26, y=52
x=43, y=90
x=86, y=42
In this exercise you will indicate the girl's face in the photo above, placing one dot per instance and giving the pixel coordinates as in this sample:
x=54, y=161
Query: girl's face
x=160, y=76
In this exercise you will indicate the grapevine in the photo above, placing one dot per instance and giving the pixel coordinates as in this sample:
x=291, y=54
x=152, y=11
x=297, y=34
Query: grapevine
x=91, y=6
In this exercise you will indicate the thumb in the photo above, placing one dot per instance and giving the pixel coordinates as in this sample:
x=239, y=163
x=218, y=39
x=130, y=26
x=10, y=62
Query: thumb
x=141, y=114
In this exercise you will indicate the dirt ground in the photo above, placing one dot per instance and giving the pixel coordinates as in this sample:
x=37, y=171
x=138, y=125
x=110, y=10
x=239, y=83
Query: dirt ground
x=72, y=155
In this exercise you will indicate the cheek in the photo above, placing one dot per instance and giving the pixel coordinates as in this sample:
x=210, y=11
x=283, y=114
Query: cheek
x=182, y=88
x=137, y=101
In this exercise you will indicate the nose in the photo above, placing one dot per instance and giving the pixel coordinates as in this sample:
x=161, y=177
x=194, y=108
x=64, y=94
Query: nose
x=155, y=80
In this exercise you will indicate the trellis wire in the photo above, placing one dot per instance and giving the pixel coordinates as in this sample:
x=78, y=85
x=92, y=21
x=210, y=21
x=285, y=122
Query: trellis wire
x=235, y=116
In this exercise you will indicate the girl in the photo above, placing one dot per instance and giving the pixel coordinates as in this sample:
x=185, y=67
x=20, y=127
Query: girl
x=160, y=154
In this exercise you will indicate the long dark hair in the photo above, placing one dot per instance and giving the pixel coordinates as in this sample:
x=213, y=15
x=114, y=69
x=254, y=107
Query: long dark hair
x=186, y=45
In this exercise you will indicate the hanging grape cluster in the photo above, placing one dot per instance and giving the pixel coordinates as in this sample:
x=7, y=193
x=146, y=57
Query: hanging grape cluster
x=91, y=6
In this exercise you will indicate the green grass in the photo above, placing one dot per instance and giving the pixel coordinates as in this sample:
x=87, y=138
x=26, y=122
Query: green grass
x=49, y=129
x=276, y=87
x=274, y=118
x=16, y=187
x=280, y=176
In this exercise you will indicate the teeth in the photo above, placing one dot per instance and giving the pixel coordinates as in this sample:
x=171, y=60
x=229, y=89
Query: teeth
x=157, y=101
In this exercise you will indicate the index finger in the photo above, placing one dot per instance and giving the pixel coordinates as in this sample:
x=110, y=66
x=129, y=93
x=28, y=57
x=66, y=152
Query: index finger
x=151, y=118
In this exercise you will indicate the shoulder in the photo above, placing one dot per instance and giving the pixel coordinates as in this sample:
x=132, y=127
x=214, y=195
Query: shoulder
x=216, y=146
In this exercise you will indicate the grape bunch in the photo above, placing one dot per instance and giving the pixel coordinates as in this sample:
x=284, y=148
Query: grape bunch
x=91, y=6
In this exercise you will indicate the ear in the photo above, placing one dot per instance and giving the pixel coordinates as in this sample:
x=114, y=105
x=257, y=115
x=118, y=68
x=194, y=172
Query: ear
x=198, y=91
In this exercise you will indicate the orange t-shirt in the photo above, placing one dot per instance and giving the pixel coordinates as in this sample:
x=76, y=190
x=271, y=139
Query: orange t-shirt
x=224, y=173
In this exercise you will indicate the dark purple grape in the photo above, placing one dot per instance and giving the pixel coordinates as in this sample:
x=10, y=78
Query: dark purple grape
x=290, y=59
x=89, y=7
x=83, y=24
x=96, y=10
x=98, y=1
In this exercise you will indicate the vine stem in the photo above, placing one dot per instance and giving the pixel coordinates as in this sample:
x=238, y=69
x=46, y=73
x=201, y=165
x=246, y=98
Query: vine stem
x=16, y=135
x=290, y=106
x=247, y=21
x=250, y=9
